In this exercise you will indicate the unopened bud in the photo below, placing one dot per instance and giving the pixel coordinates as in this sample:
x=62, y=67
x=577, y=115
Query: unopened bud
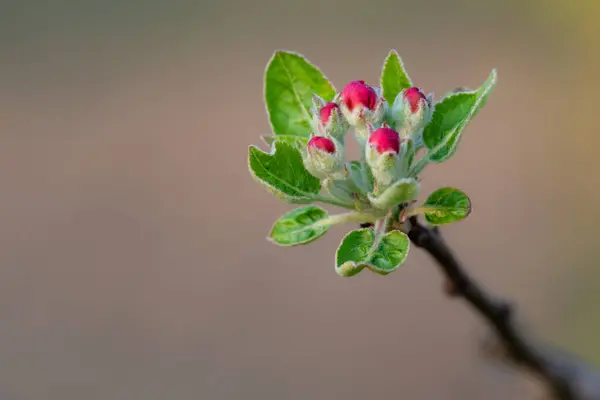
x=328, y=119
x=322, y=158
x=362, y=106
x=385, y=140
x=321, y=143
x=357, y=94
x=326, y=111
x=382, y=156
x=415, y=99
x=411, y=111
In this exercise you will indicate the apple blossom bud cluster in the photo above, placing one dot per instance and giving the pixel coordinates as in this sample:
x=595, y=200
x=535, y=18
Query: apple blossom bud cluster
x=398, y=131
x=385, y=134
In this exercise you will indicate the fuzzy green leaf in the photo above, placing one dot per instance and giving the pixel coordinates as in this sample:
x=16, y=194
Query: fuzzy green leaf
x=282, y=172
x=361, y=175
x=400, y=192
x=340, y=189
x=353, y=253
x=297, y=142
x=394, y=78
x=446, y=205
x=290, y=82
x=358, y=250
x=390, y=253
x=300, y=226
x=450, y=117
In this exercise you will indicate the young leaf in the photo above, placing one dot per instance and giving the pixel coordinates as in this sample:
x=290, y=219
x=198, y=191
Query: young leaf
x=297, y=142
x=390, y=253
x=451, y=116
x=282, y=172
x=358, y=250
x=400, y=192
x=352, y=255
x=340, y=189
x=361, y=175
x=446, y=205
x=290, y=82
x=300, y=226
x=394, y=78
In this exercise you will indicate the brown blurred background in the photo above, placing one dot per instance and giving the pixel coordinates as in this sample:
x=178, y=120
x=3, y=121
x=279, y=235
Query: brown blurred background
x=133, y=263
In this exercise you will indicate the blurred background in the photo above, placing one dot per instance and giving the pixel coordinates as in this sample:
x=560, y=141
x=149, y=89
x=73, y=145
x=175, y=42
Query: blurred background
x=133, y=260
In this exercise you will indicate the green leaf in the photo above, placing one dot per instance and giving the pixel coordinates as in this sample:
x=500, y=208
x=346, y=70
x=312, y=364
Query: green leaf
x=446, y=205
x=282, y=172
x=290, y=82
x=394, y=78
x=390, y=253
x=400, y=192
x=361, y=175
x=300, y=226
x=359, y=250
x=451, y=116
x=353, y=253
x=340, y=189
x=297, y=142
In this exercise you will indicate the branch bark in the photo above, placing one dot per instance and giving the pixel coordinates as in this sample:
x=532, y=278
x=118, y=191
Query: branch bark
x=567, y=377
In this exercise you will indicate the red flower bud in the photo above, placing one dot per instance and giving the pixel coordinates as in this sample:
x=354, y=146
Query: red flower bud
x=356, y=93
x=414, y=96
x=322, y=143
x=385, y=139
x=326, y=111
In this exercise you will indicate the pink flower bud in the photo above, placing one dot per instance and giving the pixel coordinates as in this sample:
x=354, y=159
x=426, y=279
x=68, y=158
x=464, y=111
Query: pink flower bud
x=356, y=94
x=322, y=143
x=326, y=111
x=414, y=96
x=385, y=140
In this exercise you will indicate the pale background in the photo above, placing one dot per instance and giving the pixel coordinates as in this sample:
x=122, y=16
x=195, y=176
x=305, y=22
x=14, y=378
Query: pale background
x=133, y=263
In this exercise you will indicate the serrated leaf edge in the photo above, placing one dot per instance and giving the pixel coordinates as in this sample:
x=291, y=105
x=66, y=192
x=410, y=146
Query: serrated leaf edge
x=307, y=197
x=493, y=78
x=305, y=111
x=387, y=58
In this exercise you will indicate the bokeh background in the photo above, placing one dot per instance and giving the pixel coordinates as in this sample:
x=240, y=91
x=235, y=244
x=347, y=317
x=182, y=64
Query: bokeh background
x=133, y=263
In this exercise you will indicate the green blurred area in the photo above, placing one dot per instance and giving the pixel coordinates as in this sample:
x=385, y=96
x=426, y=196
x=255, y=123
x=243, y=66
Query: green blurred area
x=133, y=257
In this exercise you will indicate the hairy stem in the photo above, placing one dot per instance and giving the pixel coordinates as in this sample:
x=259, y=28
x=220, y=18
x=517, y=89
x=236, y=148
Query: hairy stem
x=418, y=166
x=332, y=201
x=356, y=217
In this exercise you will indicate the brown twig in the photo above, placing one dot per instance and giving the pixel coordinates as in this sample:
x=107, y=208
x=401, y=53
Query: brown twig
x=566, y=376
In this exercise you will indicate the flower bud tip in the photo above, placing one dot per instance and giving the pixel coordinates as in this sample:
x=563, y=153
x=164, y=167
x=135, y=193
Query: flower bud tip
x=384, y=140
x=325, y=112
x=322, y=143
x=414, y=96
x=356, y=94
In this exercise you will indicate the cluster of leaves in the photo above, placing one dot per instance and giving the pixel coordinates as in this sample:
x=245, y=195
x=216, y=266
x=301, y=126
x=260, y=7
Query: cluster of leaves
x=291, y=81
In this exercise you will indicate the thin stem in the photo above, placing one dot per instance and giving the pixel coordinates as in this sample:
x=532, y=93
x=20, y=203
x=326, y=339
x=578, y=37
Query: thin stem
x=332, y=201
x=382, y=224
x=423, y=209
x=356, y=217
x=416, y=211
x=557, y=373
x=418, y=167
